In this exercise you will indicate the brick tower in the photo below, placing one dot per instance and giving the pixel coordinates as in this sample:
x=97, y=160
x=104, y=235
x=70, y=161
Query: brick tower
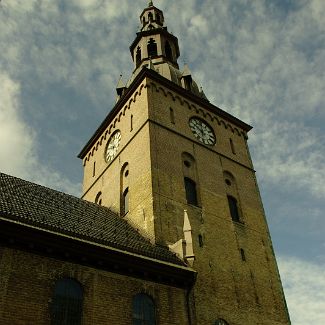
x=178, y=169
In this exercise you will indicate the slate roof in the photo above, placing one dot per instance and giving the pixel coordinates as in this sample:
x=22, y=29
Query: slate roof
x=50, y=210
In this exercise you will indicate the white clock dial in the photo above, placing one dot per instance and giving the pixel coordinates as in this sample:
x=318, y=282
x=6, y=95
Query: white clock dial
x=112, y=146
x=202, y=131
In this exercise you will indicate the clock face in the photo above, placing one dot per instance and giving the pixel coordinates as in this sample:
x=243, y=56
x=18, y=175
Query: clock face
x=112, y=146
x=202, y=131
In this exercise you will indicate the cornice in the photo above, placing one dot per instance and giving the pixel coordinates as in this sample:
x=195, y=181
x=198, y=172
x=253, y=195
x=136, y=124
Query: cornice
x=168, y=88
x=125, y=102
x=156, y=31
x=65, y=248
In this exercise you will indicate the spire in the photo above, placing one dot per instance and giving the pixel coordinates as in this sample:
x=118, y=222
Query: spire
x=184, y=247
x=120, y=83
x=186, y=72
x=153, y=41
x=187, y=230
x=120, y=88
x=155, y=48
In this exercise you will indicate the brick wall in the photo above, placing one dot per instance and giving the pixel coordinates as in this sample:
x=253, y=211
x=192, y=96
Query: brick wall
x=27, y=282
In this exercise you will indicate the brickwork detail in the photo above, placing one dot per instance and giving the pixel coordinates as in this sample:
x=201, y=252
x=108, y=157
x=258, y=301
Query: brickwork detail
x=28, y=280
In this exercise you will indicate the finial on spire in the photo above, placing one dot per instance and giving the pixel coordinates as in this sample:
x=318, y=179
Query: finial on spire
x=150, y=4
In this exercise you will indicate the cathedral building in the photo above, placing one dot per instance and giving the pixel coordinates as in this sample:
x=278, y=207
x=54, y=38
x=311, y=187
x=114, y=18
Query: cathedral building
x=170, y=229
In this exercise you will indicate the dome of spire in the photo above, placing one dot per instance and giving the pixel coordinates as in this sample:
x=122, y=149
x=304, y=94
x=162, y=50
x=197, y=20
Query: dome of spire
x=157, y=49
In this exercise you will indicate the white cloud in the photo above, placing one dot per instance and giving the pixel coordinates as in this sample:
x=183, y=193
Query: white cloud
x=266, y=67
x=304, y=287
x=18, y=143
x=292, y=155
x=16, y=138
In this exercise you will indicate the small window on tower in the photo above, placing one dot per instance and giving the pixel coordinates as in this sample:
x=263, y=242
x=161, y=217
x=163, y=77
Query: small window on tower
x=158, y=18
x=125, y=207
x=152, y=48
x=187, y=163
x=201, y=241
x=232, y=146
x=233, y=208
x=242, y=254
x=168, y=51
x=98, y=199
x=172, y=115
x=131, y=123
x=138, y=57
x=150, y=16
x=94, y=169
x=188, y=82
x=190, y=189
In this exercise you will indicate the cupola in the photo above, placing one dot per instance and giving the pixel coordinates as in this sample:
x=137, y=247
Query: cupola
x=153, y=41
x=157, y=49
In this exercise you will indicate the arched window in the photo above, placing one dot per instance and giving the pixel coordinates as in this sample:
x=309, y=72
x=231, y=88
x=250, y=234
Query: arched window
x=125, y=207
x=233, y=208
x=233, y=197
x=232, y=146
x=190, y=189
x=124, y=190
x=66, y=307
x=220, y=322
x=143, y=310
x=172, y=115
x=187, y=82
x=131, y=122
x=242, y=254
x=190, y=179
x=201, y=244
x=138, y=57
x=168, y=51
x=152, y=48
x=98, y=199
x=150, y=16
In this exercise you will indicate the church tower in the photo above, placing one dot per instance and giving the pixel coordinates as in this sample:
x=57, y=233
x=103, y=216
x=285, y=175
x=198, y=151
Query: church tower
x=178, y=169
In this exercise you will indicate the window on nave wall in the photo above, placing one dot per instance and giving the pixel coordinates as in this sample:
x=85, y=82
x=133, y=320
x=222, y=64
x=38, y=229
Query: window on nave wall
x=66, y=305
x=143, y=310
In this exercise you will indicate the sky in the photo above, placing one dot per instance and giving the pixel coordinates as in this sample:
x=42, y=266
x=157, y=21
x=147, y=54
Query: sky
x=260, y=60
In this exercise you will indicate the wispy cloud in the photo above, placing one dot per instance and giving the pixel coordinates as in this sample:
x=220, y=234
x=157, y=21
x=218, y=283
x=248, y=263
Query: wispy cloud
x=262, y=61
x=19, y=147
x=304, y=287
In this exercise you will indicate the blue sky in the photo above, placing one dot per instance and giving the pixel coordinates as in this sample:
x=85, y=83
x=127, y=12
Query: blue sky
x=262, y=61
